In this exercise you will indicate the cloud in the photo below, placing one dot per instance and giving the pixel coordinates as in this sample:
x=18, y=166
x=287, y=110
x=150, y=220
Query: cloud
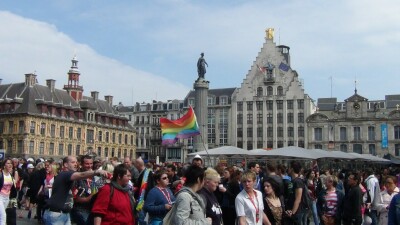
x=28, y=45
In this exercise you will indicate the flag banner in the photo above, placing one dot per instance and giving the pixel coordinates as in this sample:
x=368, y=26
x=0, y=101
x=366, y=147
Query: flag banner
x=184, y=127
x=284, y=67
x=384, y=133
x=261, y=69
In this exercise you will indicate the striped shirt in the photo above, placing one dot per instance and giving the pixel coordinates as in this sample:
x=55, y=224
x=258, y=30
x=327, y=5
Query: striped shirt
x=331, y=203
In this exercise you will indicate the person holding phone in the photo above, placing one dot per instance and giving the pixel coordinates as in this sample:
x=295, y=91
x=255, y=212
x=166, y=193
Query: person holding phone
x=160, y=199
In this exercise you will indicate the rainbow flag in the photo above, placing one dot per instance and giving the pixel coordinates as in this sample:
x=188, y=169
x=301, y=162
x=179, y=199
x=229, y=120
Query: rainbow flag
x=184, y=127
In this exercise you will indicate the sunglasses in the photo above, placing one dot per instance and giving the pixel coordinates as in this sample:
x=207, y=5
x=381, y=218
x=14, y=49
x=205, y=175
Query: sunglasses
x=164, y=178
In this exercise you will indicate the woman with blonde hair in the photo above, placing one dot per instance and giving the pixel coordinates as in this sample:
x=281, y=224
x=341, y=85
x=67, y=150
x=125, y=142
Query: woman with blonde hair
x=249, y=203
x=213, y=209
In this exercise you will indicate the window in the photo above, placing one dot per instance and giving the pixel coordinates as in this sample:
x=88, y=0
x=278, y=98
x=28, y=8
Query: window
x=318, y=134
x=357, y=133
x=69, y=149
x=51, y=149
x=100, y=136
x=78, y=150
x=79, y=133
x=357, y=148
x=249, y=145
x=270, y=105
x=259, y=132
x=270, y=132
x=240, y=106
x=280, y=144
x=290, y=131
x=343, y=133
x=249, y=106
x=259, y=91
x=280, y=90
x=290, y=117
x=300, y=117
x=21, y=127
x=240, y=132
x=210, y=100
x=107, y=137
x=32, y=127
x=70, y=132
x=371, y=133
x=112, y=152
x=270, y=91
x=113, y=136
x=41, y=148
x=300, y=143
x=279, y=104
x=90, y=136
x=290, y=143
x=223, y=135
x=300, y=104
x=270, y=144
x=240, y=118
x=269, y=118
x=318, y=146
x=53, y=130
x=259, y=144
x=371, y=149
x=126, y=139
x=300, y=131
x=20, y=146
x=10, y=127
x=259, y=118
x=120, y=138
x=397, y=149
x=105, y=152
x=259, y=105
x=32, y=147
x=289, y=104
x=249, y=132
x=279, y=117
x=343, y=147
x=62, y=130
x=250, y=118
x=223, y=100
x=396, y=132
x=61, y=149
x=42, y=129
x=280, y=132
x=1, y=127
x=99, y=151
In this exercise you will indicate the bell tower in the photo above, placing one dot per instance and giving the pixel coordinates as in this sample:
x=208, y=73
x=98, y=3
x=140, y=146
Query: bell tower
x=73, y=88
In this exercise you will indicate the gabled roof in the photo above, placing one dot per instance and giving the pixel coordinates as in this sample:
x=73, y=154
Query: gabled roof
x=356, y=98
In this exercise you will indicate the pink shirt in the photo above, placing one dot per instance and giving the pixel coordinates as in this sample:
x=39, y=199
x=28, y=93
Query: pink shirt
x=8, y=182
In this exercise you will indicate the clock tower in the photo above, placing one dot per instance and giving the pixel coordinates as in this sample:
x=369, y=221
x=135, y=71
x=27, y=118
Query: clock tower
x=73, y=88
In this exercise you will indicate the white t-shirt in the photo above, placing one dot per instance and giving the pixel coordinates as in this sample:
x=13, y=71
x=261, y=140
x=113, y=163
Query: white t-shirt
x=245, y=207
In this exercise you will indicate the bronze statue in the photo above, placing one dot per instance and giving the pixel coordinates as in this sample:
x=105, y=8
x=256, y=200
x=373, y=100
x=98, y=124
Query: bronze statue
x=201, y=66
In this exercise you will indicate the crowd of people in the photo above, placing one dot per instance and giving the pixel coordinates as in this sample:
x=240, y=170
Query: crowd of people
x=87, y=190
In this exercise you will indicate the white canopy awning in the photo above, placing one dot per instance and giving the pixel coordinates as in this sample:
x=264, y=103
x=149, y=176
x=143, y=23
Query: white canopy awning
x=224, y=150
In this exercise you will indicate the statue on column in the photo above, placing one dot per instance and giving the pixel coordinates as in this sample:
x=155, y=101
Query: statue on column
x=201, y=66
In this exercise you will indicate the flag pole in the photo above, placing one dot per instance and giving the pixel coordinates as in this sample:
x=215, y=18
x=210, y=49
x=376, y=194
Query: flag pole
x=204, y=145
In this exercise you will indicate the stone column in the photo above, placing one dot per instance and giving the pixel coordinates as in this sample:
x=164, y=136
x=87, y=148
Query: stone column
x=200, y=109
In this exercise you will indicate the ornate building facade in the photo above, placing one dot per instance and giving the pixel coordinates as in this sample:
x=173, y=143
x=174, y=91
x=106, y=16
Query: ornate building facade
x=43, y=121
x=270, y=107
x=356, y=125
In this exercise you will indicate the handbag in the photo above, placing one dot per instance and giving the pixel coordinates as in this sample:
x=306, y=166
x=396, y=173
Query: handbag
x=168, y=218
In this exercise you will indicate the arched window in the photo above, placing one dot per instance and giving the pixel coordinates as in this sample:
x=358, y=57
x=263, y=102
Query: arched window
x=259, y=91
x=270, y=91
x=280, y=90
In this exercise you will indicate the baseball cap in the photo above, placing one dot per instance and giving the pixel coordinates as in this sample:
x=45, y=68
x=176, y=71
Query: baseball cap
x=30, y=166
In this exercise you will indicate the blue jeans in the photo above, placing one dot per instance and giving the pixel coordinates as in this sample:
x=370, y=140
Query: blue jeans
x=141, y=217
x=80, y=216
x=300, y=218
x=56, y=218
x=315, y=213
x=374, y=217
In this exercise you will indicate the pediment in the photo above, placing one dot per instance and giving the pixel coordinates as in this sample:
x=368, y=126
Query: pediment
x=317, y=117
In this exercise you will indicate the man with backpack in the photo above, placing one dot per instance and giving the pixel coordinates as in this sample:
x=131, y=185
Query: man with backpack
x=296, y=208
x=60, y=203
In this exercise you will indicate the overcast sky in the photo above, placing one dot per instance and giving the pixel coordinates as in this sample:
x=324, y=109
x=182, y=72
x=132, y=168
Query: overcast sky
x=139, y=51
